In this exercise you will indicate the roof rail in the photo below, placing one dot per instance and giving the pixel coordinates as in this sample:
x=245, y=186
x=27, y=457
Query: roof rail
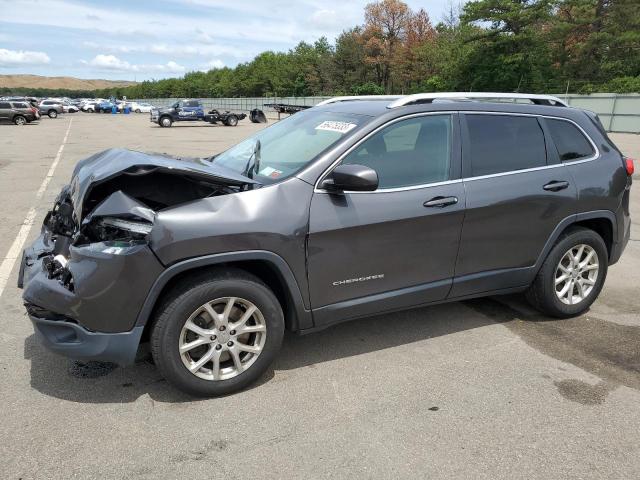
x=359, y=97
x=429, y=97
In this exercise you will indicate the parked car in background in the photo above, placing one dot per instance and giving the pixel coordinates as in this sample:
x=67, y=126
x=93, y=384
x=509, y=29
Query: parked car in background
x=19, y=113
x=140, y=107
x=69, y=108
x=30, y=100
x=105, y=106
x=89, y=107
x=52, y=108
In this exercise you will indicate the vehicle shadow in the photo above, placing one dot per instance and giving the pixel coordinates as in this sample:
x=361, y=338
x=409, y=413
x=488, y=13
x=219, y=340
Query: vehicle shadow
x=96, y=382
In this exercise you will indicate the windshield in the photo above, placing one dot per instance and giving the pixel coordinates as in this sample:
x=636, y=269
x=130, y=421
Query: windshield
x=289, y=145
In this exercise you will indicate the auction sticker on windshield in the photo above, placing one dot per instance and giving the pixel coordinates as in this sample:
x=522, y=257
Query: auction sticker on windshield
x=333, y=126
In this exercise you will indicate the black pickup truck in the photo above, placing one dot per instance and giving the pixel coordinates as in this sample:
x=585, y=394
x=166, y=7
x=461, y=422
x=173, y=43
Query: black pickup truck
x=191, y=111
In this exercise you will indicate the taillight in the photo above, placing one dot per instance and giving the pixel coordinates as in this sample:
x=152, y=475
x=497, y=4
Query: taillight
x=628, y=164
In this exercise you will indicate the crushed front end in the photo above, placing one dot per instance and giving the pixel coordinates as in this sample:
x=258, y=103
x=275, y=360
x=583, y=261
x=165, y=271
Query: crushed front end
x=87, y=275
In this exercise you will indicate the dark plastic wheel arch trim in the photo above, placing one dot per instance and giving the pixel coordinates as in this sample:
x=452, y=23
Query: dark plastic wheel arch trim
x=303, y=318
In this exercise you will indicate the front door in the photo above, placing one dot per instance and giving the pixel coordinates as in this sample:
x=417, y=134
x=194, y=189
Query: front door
x=394, y=247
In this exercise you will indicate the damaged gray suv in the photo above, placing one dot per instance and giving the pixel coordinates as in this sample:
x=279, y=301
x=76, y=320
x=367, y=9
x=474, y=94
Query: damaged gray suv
x=355, y=207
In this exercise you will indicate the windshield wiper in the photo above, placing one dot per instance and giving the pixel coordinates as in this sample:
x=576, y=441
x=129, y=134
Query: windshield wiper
x=253, y=167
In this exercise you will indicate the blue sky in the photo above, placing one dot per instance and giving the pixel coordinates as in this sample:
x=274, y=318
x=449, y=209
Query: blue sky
x=144, y=39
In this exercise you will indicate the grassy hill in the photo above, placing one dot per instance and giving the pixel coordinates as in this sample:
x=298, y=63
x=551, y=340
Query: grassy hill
x=63, y=83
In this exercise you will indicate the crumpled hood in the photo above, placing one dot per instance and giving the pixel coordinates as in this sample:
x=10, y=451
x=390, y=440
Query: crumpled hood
x=117, y=161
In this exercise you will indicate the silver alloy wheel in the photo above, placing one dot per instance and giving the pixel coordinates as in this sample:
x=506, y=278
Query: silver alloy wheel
x=166, y=122
x=20, y=121
x=222, y=338
x=576, y=274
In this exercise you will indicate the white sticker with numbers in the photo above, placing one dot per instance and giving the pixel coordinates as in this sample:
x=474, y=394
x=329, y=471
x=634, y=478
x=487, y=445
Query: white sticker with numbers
x=340, y=127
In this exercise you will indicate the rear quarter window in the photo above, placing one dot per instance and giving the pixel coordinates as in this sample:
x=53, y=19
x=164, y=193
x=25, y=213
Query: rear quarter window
x=569, y=140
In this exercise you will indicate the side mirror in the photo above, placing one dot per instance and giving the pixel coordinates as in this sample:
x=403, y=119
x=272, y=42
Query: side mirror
x=355, y=178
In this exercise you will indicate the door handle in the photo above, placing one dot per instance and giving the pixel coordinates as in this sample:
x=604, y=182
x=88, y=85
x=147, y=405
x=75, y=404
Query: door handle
x=441, y=202
x=556, y=186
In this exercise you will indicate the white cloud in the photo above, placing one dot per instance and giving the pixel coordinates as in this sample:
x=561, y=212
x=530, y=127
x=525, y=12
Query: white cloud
x=175, y=50
x=212, y=64
x=15, y=58
x=113, y=63
x=325, y=18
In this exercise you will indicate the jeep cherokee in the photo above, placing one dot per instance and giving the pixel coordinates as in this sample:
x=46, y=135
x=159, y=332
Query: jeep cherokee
x=351, y=208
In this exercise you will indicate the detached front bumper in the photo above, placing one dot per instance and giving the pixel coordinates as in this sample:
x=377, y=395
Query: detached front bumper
x=73, y=341
x=92, y=317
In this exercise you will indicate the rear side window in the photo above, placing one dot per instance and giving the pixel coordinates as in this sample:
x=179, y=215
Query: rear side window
x=20, y=105
x=503, y=143
x=570, y=141
x=410, y=152
x=192, y=103
x=5, y=105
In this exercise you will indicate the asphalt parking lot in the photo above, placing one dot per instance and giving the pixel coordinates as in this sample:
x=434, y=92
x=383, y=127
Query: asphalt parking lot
x=482, y=389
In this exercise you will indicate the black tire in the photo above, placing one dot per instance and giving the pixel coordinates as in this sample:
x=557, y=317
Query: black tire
x=52, y=114
x=19, y=120
x=165, y=122
x=90, y=110
x=542, y=292
x=231, y=121
x=137, y=110
x=183, y=301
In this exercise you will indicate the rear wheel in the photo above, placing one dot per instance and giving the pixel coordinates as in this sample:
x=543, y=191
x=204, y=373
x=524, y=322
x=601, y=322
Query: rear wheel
x=217, y=333
x=165, y=122
x=572, y=276
x=231, y=121
x=19, y=120
x=90, y=110
x=137, y=110
x=52, y=114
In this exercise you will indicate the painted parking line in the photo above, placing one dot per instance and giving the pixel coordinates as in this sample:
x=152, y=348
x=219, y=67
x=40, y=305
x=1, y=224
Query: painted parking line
x=15, y=251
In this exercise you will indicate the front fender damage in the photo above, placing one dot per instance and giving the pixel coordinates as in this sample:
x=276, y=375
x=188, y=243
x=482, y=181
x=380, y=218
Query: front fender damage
x=93, y=263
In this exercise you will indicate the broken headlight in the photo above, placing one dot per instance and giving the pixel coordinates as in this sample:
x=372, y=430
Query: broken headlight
x=135, y=228
x=120, y=229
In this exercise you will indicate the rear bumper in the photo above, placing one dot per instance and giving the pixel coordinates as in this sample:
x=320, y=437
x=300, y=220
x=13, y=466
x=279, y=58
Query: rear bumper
x=71, y=340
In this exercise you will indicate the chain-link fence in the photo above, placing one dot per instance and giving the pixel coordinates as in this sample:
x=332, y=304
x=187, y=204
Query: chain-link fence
x=618, y=112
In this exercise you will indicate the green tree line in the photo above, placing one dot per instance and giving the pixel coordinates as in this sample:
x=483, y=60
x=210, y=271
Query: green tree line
x=578, y=46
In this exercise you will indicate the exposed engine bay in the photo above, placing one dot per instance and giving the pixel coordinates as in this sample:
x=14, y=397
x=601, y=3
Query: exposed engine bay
x=114, y=208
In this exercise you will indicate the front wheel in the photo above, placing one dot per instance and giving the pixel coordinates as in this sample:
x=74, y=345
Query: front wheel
x=217, y=333
x=52, y=114
x=572, y=276
x=165, y=122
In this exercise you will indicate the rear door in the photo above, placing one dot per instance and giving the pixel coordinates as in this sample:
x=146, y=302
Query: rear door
x=394, y=247
x=517, y=194
x=5, y=110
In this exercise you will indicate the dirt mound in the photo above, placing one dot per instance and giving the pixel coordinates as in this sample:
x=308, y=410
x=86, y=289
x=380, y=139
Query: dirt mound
x=69, y=83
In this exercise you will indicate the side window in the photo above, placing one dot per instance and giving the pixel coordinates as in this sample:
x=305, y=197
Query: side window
x=569, y=140
x=5, y=105
x=415, y=151
x=503, y=143
x=192, y=103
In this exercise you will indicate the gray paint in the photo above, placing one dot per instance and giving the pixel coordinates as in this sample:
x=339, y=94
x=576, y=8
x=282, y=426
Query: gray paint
x=386, y=250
